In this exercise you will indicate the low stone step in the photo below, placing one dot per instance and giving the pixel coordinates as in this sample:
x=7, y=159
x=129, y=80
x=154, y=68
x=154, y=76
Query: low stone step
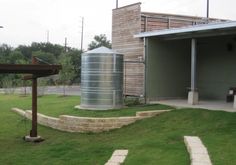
x=198, y=152
x=117, y=158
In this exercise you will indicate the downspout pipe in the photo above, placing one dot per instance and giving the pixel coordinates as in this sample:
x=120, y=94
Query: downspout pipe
x=145, y=68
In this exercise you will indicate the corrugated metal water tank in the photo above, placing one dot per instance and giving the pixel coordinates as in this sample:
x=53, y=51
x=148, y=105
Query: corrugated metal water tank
x=101, y=79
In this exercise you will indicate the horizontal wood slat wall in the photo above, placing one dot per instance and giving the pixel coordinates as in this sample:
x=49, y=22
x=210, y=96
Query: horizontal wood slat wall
x=128, y=21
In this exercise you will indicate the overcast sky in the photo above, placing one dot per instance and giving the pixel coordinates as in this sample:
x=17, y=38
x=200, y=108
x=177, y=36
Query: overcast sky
x=27, y=21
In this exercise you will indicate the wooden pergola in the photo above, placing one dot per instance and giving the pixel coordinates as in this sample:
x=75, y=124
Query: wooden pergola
x=33, y=72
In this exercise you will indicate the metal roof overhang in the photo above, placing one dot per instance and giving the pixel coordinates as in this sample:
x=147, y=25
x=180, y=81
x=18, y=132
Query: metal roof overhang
x=196, y=31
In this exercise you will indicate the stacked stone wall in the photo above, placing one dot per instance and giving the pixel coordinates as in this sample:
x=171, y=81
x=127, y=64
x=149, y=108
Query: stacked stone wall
x=87, y=124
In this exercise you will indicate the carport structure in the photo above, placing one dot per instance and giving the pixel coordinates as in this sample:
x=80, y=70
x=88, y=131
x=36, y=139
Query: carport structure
x=195, y=62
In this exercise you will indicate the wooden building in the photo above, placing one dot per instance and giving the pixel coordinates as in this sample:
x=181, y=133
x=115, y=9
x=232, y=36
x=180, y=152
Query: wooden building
x=130, y=20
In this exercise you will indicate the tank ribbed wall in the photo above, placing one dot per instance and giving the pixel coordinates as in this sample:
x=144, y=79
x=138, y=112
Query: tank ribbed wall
x=101, y=81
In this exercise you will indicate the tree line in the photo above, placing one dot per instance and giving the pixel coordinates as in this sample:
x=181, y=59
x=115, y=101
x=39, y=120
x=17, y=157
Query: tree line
x=47, y=53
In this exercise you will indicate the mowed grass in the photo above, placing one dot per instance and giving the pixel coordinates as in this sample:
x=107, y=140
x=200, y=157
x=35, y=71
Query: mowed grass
x=158, y=140
x=48, y=105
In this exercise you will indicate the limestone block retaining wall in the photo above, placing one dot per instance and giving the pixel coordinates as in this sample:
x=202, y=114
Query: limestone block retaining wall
x=87, y=124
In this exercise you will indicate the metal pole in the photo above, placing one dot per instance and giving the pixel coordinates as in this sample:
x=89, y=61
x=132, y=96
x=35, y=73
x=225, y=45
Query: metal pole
x=117, y=4
x=33, y=132
x=65, y=44
x=82, y=34
x=207, y=9
x=47, y=36
x=193, y=63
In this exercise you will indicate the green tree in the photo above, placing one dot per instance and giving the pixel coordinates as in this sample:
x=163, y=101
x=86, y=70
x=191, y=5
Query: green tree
x=67, y=73
x=5, y=51
x=27, y=51
x=54, y=49
x=99, y=40
x=10, y=56
x=16, y=57
x=10, y=82
x=45, y=57
x=47, y=52
x=75, y=55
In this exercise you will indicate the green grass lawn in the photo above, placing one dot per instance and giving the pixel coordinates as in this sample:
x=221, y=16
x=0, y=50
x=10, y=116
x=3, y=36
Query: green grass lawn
x=158, y=140
x=48, y=103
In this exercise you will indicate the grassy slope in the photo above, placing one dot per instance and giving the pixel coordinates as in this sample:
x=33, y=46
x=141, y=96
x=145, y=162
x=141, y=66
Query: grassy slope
x=46, y=105
x=158, y=140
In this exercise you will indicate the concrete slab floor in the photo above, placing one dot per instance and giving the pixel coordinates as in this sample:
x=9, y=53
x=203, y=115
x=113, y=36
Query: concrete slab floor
x=217, y=105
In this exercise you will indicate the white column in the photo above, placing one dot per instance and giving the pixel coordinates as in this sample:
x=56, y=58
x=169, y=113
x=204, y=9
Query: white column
x=234, y=102
x=193, y=94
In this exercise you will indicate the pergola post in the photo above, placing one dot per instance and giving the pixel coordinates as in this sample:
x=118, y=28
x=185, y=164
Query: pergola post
x=35, y=70
x=34, y=133
x=193, y=94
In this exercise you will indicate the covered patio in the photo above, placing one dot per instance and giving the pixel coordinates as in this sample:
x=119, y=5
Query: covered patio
x=192, y=66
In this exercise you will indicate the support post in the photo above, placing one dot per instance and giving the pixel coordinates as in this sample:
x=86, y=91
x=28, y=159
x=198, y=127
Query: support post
x=193, y=94
x=193, y=64
x=34, y=133
x=234, y=105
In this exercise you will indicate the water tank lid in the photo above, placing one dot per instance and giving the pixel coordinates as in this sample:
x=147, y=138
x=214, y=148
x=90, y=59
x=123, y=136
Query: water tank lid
x=102, y=50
